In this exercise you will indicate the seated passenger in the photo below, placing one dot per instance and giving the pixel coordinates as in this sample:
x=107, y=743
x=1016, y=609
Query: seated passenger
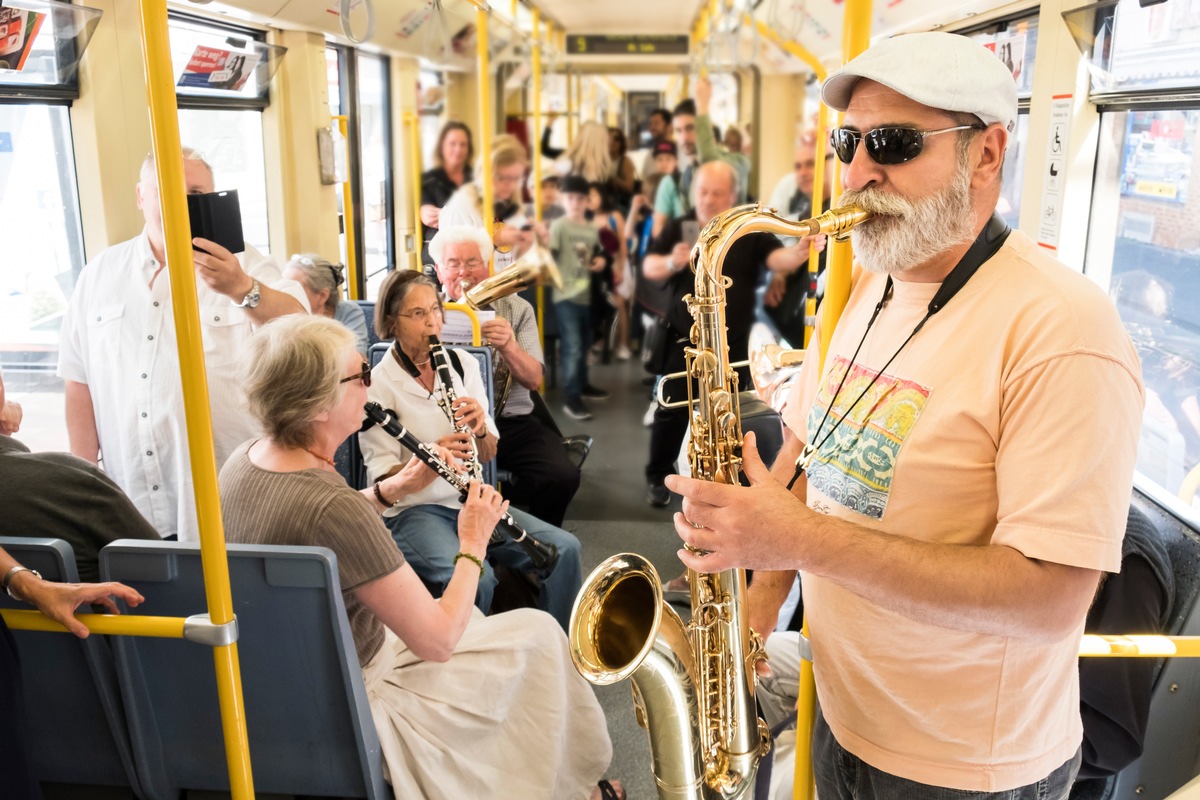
x=423, y=522
x=544, y=478
x=465, y=706
x=61, y=496
x=320, y=280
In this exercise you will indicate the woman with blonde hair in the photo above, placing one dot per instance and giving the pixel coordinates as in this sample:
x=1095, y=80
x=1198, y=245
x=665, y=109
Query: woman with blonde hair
x=511, y=229
x=588, y=155
x=465, y=706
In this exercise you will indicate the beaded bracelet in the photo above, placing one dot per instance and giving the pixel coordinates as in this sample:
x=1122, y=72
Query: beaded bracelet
x=379, y=496
x=476, y=559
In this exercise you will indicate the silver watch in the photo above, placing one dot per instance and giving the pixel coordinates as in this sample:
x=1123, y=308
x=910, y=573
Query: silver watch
x=6, y=584
x=252, y=297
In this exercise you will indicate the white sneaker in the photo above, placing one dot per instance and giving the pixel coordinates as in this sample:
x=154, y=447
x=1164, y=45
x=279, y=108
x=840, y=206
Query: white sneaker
x=623, y=353
x=648, y=417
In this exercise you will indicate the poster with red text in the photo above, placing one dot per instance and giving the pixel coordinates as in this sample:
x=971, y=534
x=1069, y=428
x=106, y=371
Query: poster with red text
x=213, y=68
x=18, y=29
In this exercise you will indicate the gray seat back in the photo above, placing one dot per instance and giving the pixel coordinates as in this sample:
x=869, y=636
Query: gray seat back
x=1172, y=747
x=307, y=716
x=70, y=688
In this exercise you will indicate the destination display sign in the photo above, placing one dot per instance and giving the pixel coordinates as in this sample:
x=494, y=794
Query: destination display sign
x=627, y=45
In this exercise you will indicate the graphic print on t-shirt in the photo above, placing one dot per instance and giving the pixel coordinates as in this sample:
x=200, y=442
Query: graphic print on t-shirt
x=855, y=466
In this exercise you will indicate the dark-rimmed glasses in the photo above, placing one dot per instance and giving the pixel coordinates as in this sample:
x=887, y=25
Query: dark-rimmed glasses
x=364, y=375
x=887, y=146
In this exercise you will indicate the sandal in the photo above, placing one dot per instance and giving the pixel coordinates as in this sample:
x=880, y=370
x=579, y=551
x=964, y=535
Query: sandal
x=610, y=790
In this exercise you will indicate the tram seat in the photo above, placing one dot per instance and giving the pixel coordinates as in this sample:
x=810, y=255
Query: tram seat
x=766, y=423
x=368, y=309
x=309, y=725
x=1172, y=744
x=77, y=729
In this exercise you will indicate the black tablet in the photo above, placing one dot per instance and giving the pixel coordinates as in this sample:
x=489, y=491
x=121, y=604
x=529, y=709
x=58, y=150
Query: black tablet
x=217, y=216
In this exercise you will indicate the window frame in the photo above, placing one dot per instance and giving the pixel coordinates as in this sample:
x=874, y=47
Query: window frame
x=194, y=102
x=348, y=83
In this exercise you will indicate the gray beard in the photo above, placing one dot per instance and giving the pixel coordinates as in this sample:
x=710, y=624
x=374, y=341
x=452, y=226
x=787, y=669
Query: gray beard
x=906, y=233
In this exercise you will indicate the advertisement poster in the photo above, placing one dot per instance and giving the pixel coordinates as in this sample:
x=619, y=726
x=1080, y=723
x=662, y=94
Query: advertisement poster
x=211, y=68
x=1011, y=50
x=18, y=29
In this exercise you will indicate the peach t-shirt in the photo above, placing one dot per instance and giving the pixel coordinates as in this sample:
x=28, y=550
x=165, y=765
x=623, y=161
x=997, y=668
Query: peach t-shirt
x=1012, y=419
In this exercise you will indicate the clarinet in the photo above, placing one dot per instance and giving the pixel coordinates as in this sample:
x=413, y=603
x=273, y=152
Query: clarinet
x=447, y=397
x=543, y=555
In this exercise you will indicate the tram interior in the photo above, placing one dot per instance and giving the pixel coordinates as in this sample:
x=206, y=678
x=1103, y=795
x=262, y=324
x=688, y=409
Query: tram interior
x=1100, y=173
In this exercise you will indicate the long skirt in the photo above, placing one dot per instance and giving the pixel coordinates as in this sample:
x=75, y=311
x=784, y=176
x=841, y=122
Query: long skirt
x=506, y=716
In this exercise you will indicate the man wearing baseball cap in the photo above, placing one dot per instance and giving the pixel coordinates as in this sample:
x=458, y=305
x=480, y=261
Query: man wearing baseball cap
x=968, y=444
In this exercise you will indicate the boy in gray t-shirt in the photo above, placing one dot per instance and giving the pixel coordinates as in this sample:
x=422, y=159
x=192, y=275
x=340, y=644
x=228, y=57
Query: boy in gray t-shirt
x=575, y=244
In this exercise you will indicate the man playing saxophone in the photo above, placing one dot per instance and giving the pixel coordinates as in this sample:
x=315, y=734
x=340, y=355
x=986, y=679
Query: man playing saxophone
x=949, y=551
x=545, y=479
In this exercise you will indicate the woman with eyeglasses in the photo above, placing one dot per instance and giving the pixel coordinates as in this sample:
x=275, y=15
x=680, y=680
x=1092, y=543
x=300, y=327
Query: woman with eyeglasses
x=512, y=231
x=423, y=522
x=320, y=280
x=464, y=704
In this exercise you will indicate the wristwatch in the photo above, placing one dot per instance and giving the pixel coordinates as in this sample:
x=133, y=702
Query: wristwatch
x=6, y=584
x=252, y=297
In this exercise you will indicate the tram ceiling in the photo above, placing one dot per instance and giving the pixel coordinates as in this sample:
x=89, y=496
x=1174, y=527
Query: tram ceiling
x=442, y=32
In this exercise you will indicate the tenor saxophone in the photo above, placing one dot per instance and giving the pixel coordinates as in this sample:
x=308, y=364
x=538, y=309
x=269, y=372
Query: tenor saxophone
x=693, y=684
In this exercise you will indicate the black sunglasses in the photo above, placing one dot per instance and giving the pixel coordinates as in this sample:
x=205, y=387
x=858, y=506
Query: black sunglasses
x=892, y=145
x=364, y=376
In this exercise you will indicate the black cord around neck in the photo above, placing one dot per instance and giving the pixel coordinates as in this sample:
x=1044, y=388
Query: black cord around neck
x=989, y=240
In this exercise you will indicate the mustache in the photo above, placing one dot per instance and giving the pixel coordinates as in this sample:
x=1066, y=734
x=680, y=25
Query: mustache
x=877, y=202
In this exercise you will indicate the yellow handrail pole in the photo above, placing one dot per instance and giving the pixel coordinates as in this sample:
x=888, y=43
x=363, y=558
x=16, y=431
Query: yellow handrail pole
x=856, y=38
x=818, y=193
x=164, y=129
x=413, y=123
x=818, y=198
x=476, y=333
x=109, y=624
x=537, y=160
x=572, y=102
x=1095, y=645
x=485, y=120
x=343, y=123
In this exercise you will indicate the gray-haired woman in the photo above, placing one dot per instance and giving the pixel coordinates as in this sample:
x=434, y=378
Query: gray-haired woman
x=465, y=706
x=320, y=280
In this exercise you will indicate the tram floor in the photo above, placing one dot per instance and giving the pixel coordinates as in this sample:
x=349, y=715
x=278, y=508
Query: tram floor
x=610, y=515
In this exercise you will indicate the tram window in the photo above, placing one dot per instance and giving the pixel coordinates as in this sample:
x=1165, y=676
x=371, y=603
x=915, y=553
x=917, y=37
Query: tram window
x=43, y=253
x=375, y=147
x=1136, y=48
x=1014, y=42
x=1012, y=176
x=232, y=143
x=1144, y=247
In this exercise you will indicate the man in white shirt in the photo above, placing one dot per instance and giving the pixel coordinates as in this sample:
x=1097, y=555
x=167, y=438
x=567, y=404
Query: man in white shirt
x=120, y=366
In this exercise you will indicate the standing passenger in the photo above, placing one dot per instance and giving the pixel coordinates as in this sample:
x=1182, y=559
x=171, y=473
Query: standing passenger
x=119, y=362
x=453, y=156
x=959, y=504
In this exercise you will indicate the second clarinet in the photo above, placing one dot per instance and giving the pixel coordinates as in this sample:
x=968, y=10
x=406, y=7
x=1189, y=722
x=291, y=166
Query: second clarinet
x=543, y=555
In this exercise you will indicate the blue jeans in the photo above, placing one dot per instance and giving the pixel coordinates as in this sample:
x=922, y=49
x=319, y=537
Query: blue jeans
x=428, y=537
x=575, y=330
x=841, y=775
